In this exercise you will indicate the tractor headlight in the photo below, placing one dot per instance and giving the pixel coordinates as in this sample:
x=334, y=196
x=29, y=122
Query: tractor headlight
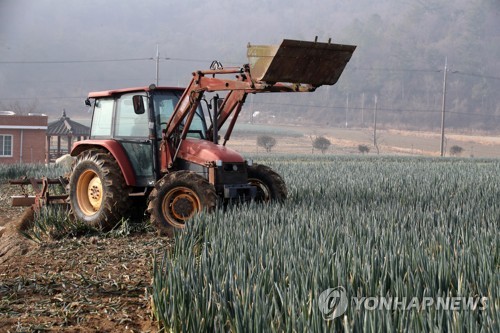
x=249, y=162
x=218, y=163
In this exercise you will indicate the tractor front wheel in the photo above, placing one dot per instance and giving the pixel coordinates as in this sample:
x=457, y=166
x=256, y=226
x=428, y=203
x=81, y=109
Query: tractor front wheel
x=98, y=194
x=177, y=197
x=270, y=185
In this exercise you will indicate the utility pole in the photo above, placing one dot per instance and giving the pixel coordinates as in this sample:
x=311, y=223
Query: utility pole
x=251, y=109
x=375, y=123
x=375, y=143
x=363, y=110
x=443, y=110
x=157, y=65
x=346, y=110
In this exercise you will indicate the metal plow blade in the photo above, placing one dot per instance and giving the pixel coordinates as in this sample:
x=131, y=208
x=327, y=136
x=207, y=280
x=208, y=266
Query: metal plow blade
x=299, y=62
x=40, y=188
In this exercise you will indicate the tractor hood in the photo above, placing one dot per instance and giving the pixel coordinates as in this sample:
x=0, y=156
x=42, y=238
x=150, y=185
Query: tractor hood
x=202, y=151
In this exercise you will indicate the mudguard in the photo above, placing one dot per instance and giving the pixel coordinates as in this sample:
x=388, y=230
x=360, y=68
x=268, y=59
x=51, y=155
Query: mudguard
x=116, y=149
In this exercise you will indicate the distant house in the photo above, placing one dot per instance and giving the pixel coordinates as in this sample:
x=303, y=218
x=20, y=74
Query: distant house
x=28, y=139
x=22, y=138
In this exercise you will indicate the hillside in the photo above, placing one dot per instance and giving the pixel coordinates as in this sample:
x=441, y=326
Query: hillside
x=53, y=53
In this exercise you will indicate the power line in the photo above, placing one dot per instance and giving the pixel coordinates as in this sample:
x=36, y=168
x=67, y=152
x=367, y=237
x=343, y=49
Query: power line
x=78, y=61
x=474, y=114
x=27, y=62
x=477, y=75
x=350, y=107
x=394, y=69
x=44, y=97
x=380, y=69
x=224, y=62
x=435, y=111
x=376, y=69
x=79, y=80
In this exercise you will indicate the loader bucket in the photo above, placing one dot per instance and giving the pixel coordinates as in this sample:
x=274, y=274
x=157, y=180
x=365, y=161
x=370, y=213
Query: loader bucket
x=299, y=62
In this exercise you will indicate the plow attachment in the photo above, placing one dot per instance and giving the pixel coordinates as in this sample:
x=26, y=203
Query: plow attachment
x=41, y=196
x=299, y=62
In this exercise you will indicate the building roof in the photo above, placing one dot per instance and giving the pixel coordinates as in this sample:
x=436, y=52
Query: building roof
x=66, y=127
x=13, y=120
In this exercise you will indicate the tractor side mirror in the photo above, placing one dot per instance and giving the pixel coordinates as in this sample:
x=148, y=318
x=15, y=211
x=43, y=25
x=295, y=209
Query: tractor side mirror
x=138, y=104
x=87, y=102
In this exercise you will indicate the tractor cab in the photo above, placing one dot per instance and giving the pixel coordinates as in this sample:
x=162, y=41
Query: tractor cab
x=136, y=120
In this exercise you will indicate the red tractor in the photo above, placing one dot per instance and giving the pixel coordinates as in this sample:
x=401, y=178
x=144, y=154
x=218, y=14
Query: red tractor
x=159, y=143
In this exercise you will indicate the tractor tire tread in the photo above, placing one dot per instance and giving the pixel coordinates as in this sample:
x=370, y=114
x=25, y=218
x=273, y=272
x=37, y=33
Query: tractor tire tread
x=115, y=201
x=200, y=185
x=278, y=187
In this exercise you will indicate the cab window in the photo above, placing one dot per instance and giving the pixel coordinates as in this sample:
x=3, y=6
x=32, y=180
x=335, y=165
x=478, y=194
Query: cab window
x=164, y=104
x=197, y=129
x=128, y=123
x=102, y=118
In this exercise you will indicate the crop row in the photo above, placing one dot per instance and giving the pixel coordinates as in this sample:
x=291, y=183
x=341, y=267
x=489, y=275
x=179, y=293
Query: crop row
x=378, y=227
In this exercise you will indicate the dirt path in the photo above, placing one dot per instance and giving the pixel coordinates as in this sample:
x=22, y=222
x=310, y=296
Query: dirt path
x=85, y=284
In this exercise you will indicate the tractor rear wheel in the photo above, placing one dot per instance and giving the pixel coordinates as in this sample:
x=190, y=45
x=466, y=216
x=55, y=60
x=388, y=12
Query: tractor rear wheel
x=177, y=197
x=98, y=194
x=270, y=185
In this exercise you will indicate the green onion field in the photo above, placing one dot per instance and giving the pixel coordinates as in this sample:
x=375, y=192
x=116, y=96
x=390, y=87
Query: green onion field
x=377, y=226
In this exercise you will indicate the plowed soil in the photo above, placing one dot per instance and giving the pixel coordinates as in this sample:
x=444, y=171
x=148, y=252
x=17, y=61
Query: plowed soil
x=87, y=284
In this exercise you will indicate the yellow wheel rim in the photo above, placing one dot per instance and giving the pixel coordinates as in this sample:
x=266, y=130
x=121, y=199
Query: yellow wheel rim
x=262, y=190
x=179, y=205
x=89, y=192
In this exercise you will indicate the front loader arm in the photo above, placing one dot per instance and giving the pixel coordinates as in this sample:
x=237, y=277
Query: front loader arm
x=193, y=94
x=180, y=121
x=232, y=105
x=293, y=66
x=187, y=104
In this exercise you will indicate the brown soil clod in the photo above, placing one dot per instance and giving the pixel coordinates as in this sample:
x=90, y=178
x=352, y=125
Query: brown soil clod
x=12, y=242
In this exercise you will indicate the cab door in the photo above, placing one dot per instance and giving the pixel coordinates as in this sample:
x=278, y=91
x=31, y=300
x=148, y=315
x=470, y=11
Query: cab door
x=132, y=131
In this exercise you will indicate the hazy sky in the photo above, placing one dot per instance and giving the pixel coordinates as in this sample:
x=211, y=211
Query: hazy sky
x=54, y=39
x=53, y=52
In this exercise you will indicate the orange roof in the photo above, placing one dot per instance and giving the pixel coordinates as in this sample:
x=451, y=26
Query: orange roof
x=107, y=93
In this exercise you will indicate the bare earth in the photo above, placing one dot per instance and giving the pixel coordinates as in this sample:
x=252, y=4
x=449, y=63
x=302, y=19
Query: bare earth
x=391, y=142
x=85, y=284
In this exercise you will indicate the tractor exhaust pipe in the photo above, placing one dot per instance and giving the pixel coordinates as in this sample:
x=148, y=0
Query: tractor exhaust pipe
x=215, y=107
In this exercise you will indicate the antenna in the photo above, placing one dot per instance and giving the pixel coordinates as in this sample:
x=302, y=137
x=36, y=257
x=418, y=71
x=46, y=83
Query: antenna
x=157, y=64
x=443, y=109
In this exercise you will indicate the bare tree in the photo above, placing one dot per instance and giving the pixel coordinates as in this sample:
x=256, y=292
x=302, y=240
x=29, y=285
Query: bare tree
x=363, y=149
x=267, y=142
x=456, y=150
x=20, y=109
x=322, y=144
